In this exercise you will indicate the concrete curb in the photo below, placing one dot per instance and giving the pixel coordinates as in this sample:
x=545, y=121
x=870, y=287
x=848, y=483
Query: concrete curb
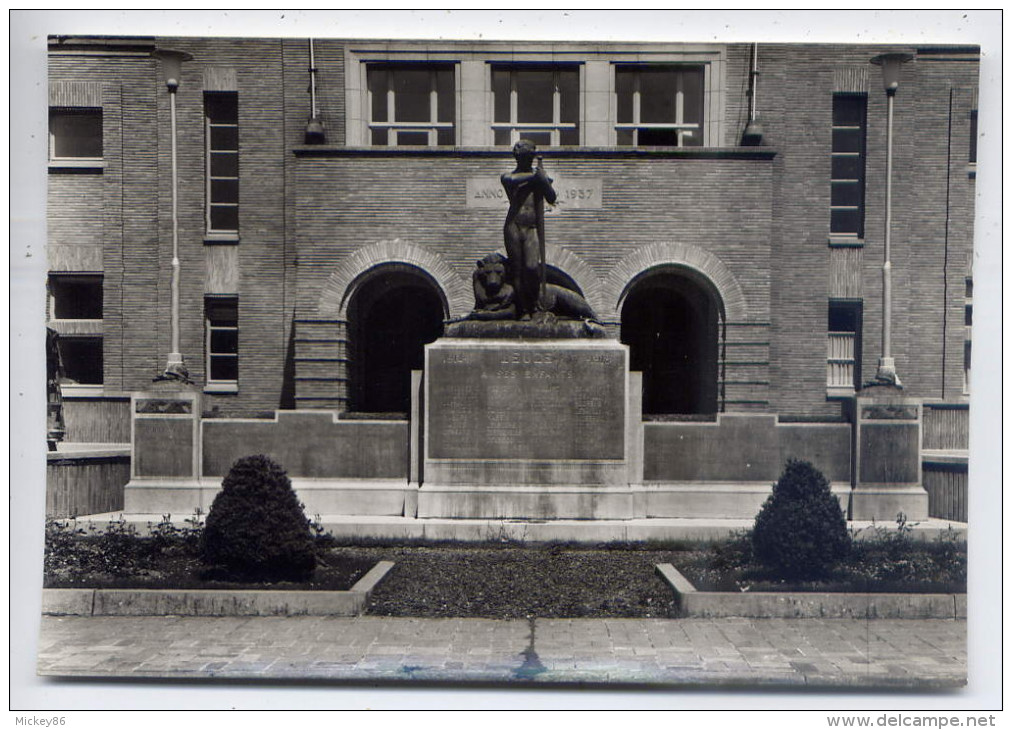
x=706, y=604
x=155, y=602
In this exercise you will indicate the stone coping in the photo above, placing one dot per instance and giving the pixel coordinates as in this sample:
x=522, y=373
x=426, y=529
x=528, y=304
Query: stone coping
x=169, y=602
x=713, y=604
x=390, y=528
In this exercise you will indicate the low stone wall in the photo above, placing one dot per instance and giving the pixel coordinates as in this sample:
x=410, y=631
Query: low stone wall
x=154, y=602
x=742, y=448
x=712, y=604
x=310, y=445
x=946, y=485
x=101, y=419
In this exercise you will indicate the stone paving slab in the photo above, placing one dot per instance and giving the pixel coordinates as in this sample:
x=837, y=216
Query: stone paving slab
x=816, y=652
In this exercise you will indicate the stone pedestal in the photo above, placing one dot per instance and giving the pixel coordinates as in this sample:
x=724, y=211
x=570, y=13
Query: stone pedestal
x=165, y=451
x=887, y=453
x=535, y=429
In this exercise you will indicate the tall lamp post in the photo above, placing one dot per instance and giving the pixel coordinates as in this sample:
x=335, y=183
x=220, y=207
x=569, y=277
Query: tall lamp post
x=891, y=64
x=171, y=66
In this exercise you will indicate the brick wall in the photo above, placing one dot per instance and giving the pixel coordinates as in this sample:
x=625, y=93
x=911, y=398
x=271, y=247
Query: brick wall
x=302, y=215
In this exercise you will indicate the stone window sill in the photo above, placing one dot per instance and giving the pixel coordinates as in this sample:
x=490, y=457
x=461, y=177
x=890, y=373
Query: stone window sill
x=77, y=165
x=846, y=242
x=221, y=388
x=839, y=391
x=221, y=239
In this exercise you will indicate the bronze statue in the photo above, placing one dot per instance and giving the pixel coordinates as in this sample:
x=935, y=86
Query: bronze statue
x=514, y=287
x=495, y=297
x=527, y=188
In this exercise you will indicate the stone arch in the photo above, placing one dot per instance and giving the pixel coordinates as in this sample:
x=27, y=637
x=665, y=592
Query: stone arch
x=659, y=255
x=338, y=290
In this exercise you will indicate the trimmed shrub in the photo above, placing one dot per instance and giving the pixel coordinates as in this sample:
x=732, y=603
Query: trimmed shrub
x=256, y=529
x=801, y=532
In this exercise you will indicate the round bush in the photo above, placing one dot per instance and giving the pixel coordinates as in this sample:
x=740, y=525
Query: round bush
x=256, y=529
x=801, y=532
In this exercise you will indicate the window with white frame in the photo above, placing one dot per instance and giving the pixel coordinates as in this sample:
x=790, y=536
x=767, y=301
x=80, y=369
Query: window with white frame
x=843, y=347
x=411, y=105
x=76, y=313
x=539, y=103
x=75, y=134
x=221, y=315
x=659, y=105
x=848, y=163
x=221, y=114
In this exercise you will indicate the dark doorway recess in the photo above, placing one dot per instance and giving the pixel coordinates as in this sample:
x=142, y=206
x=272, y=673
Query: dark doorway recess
x=391, y=317
x=671, y=321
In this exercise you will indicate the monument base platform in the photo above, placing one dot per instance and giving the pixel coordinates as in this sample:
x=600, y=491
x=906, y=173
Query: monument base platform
x=531, y=503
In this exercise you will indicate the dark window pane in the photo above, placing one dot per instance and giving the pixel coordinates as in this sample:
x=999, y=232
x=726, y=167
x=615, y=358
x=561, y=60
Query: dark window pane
x=968, y=316
x=225, y=138
x=849, y=110
x=222, y=312
x=535, y=90
x=412, y=139
x=658, y=137
x=447, y=103
x=378, y=92
x=569, y=137
x=502, y=136
x=224, y=218
x=224, y=368
x=379, y=137
x=76, y=132
x=842, y=317
x=692, y=138
x=624, y=137
x=224, y=164
x=76, y=297
x=692, y=97
x=973, y=136
x=569, y=96
x=445, y=137
x=224, y=341
x=657, y=96
x=82, y=359
x=848, y=140
x=848, y=168
x=624, y=83
x=225, y=191
x=542, y=139
x=501, y=95
x=845, y=221
x=412, y=93
x=966, y=354
x=222, y=107
x=846, y=193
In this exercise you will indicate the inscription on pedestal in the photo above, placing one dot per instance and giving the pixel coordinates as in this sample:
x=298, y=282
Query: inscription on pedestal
x=523, y=402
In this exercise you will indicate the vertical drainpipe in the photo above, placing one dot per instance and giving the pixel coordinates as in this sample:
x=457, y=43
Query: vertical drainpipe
x=753, y=134
x=314, y=128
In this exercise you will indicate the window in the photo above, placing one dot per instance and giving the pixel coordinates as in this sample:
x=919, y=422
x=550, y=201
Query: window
x=411, y=105
x=75, y=311
x=75, y=133
x=75, y=296
x=843, y=355
x=847, y=199
x=659, y=106
x=967, y=334
x=221, y=112
x=539, y=103
x=973, y=137
x=222, y=345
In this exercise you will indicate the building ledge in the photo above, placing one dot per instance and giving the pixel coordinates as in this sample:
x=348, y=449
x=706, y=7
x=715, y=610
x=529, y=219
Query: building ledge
x=846, y=242
x=945, y=456
x=82, y=166
x=619, y=153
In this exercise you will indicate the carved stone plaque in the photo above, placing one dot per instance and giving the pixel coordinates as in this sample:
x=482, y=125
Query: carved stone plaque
x=574, y=194
x=525, y=400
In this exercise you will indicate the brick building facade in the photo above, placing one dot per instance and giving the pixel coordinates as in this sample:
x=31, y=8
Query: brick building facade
x=311, y=274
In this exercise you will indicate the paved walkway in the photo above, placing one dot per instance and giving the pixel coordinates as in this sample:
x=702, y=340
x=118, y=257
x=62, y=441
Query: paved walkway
x=820, y=652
